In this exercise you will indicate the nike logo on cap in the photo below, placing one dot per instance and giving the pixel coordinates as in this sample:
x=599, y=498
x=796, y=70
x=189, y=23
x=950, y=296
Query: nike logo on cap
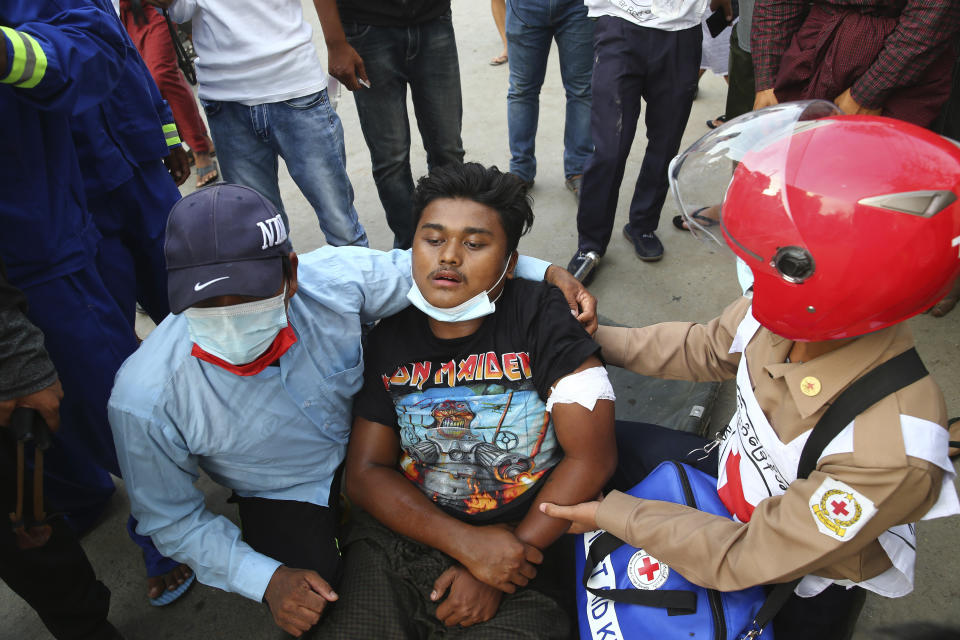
x=201, y=287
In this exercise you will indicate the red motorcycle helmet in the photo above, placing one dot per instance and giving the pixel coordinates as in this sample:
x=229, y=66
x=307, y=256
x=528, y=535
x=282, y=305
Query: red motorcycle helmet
x=849, y=224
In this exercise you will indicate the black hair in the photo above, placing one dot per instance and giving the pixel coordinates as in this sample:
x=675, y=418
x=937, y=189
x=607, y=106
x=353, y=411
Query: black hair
x=505, y=193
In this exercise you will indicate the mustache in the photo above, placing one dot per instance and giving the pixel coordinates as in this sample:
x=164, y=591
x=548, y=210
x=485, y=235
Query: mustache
x=445, y=271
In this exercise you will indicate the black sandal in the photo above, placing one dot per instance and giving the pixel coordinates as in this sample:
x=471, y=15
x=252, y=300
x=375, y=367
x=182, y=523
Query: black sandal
x=712, y=124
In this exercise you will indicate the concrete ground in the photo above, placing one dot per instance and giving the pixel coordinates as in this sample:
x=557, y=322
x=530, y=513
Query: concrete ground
x=693, y=282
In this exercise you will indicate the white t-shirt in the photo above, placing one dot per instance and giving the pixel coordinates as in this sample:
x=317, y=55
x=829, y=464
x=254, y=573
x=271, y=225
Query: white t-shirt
x=666, y=15
x=252, y=51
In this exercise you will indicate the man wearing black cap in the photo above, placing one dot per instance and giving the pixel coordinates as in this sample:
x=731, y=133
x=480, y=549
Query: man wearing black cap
x=252, y=380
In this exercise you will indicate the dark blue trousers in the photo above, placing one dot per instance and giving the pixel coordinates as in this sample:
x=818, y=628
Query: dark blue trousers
x=633, y=63
x=88, y=338
x=132, y=220
x=829, y=615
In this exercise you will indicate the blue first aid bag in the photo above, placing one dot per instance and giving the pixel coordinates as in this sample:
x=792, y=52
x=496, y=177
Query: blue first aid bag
x=627, y=594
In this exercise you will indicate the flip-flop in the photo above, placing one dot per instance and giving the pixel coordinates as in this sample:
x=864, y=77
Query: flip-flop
x=204, y=179
x=696, y=215
x=499, y=60
x=711, y=123
x=167, y=597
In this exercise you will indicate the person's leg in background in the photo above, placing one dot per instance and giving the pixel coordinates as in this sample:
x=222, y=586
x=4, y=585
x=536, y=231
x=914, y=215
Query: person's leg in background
x=615, y=110
x=308, y=134
x=434, y=76
x=154, y=43
x=672, y=59
x=499, y=10
x=529, y=34
x=574, y=35
x=246, y=157
x=77, y=467
x=740, y=93
x=382, y=110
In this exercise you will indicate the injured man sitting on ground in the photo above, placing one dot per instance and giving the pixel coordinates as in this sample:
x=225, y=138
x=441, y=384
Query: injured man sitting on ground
x=481, y=401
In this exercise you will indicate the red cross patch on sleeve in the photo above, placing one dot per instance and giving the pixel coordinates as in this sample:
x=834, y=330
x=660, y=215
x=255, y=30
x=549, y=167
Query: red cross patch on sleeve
x=839, y=510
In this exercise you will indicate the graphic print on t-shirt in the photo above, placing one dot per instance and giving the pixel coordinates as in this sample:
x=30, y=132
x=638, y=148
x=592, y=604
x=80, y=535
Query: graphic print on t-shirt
x=478, y=440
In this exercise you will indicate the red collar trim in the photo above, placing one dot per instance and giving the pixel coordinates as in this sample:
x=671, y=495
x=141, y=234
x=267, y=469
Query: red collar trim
x=280, y=345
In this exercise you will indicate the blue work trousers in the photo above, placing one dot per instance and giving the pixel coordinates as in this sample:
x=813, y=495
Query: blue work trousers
x=88, y=338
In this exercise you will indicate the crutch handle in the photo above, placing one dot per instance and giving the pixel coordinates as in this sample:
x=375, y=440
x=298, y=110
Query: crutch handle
x=27, y=424
x=21, y=423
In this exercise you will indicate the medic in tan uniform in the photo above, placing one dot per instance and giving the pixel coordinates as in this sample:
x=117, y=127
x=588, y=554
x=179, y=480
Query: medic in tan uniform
x=849, y=225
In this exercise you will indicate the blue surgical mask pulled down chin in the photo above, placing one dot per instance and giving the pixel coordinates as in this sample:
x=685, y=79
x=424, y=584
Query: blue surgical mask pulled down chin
x=240, y=332
x=478, y=306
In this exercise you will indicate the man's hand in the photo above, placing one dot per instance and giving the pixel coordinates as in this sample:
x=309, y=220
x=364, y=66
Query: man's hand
x=46, y=402
x=727, y=7
x=470, y=601
x=851, y=107
x=583, y=515
x=581, y=301
x=496, y=557
x=6, y=408
x=178, y=165
x=346, y=65
x=765, y=98
x=296, y=598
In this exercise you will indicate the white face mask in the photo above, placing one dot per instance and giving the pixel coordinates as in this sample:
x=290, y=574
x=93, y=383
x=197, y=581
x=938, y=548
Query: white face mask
x=240, y=332
x=478, y=306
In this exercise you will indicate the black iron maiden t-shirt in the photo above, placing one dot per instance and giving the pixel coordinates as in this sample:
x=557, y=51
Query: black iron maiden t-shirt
x=470, y=412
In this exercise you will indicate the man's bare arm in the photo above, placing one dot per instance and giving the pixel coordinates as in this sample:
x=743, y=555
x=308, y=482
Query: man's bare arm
x=590, y=457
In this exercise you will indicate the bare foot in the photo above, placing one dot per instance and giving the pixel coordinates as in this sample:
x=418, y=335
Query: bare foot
x=500, y=59
x=168, y=581
x=207, y=172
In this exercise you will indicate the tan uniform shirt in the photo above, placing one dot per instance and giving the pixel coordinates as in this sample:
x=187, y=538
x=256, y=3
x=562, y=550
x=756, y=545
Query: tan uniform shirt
x=781, y=541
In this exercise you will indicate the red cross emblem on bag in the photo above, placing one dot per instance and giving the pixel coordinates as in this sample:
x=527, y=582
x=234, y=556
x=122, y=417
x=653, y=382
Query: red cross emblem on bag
x=646, y=572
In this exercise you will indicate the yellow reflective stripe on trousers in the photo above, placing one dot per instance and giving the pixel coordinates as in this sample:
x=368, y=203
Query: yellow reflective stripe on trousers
x=29, y=61
x=170, y=133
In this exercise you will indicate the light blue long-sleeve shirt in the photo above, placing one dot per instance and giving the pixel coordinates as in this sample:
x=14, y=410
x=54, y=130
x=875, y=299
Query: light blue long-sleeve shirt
x=279, y=434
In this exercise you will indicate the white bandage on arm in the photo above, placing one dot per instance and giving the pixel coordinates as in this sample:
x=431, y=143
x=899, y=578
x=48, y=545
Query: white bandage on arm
x=583, y=388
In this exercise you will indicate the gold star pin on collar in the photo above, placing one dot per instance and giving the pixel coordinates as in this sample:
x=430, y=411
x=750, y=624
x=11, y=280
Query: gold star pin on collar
x=810, y=386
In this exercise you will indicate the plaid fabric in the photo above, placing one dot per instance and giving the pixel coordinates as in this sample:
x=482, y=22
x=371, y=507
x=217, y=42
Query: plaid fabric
x=921, y=35
x=385, y=594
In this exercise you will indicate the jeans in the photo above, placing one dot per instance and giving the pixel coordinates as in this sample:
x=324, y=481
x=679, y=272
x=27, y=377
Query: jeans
x=423, y=56
x=530, y=26
x=306, y=132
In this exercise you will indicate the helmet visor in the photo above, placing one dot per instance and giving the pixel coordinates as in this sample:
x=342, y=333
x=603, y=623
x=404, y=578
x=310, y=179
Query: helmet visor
x=701, y=175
